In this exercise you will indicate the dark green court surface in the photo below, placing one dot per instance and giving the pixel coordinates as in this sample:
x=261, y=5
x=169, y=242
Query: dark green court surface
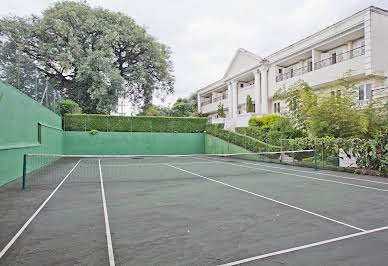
x=192, y=211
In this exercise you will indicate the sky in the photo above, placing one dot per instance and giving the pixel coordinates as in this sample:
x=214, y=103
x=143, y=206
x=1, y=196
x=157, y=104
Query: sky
x=205, y=34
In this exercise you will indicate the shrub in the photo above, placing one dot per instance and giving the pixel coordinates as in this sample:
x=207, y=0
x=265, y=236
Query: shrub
x=94, y=131
x=250, y=108
x=264, y=122
x=84, y=122
x=220, y=111
x=254, y=132
x=244, y=141
x=70, y=107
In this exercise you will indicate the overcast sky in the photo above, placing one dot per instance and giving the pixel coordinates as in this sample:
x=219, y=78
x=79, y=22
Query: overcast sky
x=204, y=34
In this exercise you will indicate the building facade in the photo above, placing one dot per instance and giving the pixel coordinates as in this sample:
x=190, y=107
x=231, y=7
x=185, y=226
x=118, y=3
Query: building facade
x=358, y=43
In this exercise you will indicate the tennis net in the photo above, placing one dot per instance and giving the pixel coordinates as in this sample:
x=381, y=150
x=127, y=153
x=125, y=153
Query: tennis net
x=51, y=169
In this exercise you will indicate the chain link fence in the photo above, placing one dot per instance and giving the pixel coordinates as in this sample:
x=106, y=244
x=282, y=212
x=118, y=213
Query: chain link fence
x=22, y=73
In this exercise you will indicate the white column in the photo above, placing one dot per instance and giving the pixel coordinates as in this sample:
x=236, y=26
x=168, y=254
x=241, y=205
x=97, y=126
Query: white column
x=234, y=91
x=199, y=102
x=264, y=89
x=230, y=100
x=316, y=57
x=257, y=92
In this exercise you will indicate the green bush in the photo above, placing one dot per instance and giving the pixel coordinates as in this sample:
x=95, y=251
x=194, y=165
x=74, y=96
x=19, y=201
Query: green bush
x=241, y=140
x=70, y=107
x=86, y=122
x=265, y=121
x=254, y=132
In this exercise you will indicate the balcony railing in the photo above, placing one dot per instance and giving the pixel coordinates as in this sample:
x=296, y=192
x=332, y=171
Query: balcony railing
x=324, y=63
x=215, y=99
x=293, y=73
x=340, y=57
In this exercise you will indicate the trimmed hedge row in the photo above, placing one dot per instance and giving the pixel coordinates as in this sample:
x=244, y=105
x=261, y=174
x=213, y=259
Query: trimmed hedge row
x=246, y=142
x=254, y=132
x=87, y=122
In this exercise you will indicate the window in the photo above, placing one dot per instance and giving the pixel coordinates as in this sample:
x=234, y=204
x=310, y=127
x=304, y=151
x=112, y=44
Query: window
x=292, y=72
x=361, y=93
x=276, y=107
x=334, y=58
x=241, y=85
x=280, y=71
x=368, y=88
x=310, y=66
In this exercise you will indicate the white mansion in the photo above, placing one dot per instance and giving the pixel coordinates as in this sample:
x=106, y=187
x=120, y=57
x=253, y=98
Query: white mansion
x=358, y=43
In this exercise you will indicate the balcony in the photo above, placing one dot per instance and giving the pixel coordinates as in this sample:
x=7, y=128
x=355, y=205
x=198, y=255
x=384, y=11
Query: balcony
x=359, y=51
x=293, y=73
x=340, y=57
x=224, y=96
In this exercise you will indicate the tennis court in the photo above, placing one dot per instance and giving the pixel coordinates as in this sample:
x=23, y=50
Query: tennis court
x=191, y=210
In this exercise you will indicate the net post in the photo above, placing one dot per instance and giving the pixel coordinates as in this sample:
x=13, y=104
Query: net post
x=24, y=170
x=315, y=160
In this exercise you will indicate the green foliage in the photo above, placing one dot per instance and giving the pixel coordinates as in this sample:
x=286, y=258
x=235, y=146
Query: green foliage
x=134, y=124
x=280, y=128
x=264, y=122
x=182, y=108
x=250, y=108
x=94, y=131
x=375, y=119
x=69, y=107
x=254, y=132
x=155, y=110
x=336, y=114
x=246, y=142
x=220, y=111
x=371, y=154
x=93, y=55
x=298, y=97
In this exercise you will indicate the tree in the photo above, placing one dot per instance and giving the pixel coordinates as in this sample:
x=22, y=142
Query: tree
x=220, y=111
x=94, y=56
x=69, y=107
x=182, y=108
x=155, y=110
x=250, y=108
x=299, y=98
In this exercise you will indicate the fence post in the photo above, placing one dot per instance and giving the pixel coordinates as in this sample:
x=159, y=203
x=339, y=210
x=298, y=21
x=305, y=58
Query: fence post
x=245, y=140
x=172, y=125
x=131, y=124
x=323, y=151
x=107, y=124
x=315, y=160
x=64, y=123
x=24, y=170
x=85, y=123
x=191, y=129
x=151, y=124
x=293, y=154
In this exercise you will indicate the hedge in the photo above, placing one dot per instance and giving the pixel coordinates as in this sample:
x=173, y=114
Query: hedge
x=254, y=132
x=87, y=122
x=241, y=140
x=371, y=154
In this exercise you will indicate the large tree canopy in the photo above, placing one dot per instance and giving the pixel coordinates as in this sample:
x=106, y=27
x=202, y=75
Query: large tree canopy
x=93, y=55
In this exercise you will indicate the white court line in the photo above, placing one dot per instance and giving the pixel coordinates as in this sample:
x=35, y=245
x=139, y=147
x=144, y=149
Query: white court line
x=318, y=173
x=35, y=214
x=270, y=199
x=308, y=177
x=107, y=227
x=130, y=164
x=320, y=243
